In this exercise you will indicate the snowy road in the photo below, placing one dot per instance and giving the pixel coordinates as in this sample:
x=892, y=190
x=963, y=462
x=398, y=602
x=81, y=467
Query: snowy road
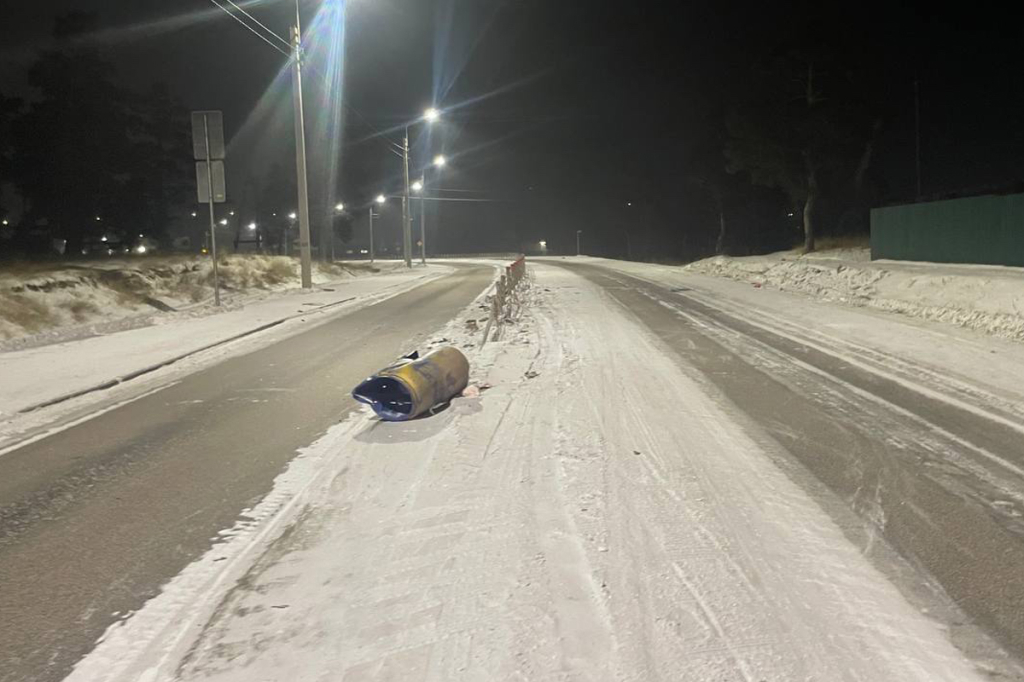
x=653, y=489
x=95, y=518
x=934, y=467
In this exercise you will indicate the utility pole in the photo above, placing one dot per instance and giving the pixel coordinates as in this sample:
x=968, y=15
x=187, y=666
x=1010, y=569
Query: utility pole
x=423, y=219
x=213, y=221
x=578, y=233
x=406, y=219
x=300, y=153
x=917, y=126
x=371, y=233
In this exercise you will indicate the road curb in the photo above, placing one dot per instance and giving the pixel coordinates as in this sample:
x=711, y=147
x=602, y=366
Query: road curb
x=177, y=358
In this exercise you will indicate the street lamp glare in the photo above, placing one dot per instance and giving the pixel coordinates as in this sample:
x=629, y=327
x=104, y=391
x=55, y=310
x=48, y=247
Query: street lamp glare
x=440, y=161
x=339, y=207
x=431, y=115
x=223, y=221
x=417, y=186
x=292, y=215
x=252, y=227
x=381, y=199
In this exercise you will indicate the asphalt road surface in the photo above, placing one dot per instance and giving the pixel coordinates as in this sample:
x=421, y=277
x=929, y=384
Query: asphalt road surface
x=94, y=519
x=927, y=475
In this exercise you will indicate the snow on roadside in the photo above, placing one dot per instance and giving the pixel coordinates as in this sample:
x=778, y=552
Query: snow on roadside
x=562, y=524
x=47, y=303
x=985, y=298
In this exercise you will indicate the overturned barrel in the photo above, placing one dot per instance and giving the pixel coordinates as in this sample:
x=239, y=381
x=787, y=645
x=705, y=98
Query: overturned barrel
x=413, y=385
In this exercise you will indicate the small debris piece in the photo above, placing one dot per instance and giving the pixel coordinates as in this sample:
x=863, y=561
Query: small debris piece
x=471, y=392
x=531, y=374
x=636, y=452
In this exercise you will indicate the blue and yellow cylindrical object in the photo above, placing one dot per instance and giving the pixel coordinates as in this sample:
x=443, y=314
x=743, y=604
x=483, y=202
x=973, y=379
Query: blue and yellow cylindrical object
x=412, y=386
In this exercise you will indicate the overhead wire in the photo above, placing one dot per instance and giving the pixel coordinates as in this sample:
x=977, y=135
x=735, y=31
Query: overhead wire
x=258, y=23
x=251, y=29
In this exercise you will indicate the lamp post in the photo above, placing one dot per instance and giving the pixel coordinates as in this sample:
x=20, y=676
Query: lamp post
x=429, y=116
x=300, y=154
x=439, y=162
x=578, y=233
x=380, y=200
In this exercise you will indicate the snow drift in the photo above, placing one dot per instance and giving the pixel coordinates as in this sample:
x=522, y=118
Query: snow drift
x=980, y=297
x=43, y=299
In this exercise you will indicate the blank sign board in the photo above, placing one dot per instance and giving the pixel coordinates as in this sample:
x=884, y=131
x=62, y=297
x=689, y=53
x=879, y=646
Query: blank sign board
x=203, y=183
x=207, y=123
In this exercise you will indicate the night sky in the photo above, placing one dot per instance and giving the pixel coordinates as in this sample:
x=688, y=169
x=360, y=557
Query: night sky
x=560, y=113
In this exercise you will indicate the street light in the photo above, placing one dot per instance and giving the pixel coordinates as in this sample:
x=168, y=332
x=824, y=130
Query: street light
x=381, y=199
x=440, y=161
x=417, y=186
x=429, y=116
x=252, y=227
x=292, y=216
x=339, y=207
x=224, y=221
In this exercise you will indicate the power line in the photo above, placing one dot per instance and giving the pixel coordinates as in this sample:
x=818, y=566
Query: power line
x=263, y=26
x=251, y=29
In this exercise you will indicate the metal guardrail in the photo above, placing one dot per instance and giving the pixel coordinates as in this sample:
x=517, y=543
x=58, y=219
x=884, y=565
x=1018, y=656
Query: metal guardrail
x=506, y=302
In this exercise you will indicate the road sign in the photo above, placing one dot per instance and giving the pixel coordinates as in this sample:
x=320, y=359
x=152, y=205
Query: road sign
x=214, y=126
x=208, y=148
x=203, y=183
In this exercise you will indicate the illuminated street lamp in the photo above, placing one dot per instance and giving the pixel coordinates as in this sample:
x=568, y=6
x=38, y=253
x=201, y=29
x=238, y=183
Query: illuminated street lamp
x=292, y=215
x=431, y=115
x=224, y=221
x=381, y=199
x=252, y=227
x=440, y=161
x=339, y=207
x=417, y=186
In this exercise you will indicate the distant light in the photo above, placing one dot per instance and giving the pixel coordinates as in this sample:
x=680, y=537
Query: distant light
x=223, y=221
x=790, y=215
x=141, y=236
x=543, y=244
x=363, y=251
x=339, y=207
x=431, y=115
x=440, y=161
x=274, y=214
x=193, y=215
x=5, y=222
x=629, y=203
x=103, y=238
x=98, y=218
x=417, y=186
x=203, y=250
x=292, y=216
x=141, y=248
x=252, y=227
x=381, y=199
x=231, y=213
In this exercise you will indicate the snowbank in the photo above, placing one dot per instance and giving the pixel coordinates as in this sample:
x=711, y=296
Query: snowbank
x=44, y=303
x=984, y=298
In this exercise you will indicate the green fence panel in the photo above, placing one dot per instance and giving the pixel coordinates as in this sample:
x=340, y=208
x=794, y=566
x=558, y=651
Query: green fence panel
x=986, y=229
